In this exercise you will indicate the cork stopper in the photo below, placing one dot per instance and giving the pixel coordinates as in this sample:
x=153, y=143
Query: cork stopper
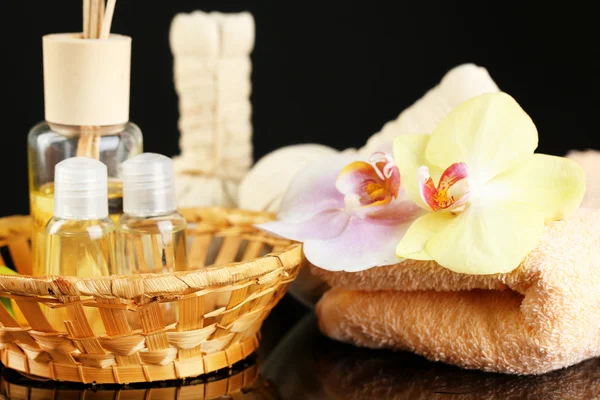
x=86, y=81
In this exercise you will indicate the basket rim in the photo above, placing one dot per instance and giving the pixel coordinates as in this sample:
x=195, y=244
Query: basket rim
x=167, y=284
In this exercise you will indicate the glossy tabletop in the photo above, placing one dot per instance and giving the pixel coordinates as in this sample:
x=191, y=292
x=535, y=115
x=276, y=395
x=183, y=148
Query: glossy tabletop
x=295, y=361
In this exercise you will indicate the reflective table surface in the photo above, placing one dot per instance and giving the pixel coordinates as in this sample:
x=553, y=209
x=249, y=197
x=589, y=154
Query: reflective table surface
x=295, y=361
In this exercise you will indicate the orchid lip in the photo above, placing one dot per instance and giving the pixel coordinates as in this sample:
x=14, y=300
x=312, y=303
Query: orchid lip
x=452, y=191
x=373, y=183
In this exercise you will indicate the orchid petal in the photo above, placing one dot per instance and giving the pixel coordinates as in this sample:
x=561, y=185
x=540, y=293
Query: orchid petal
x=488, y=238
x=409, y=153
x=397, y=210
x=325, y=225
x=313, y=189
x=490, y=133
x=412, y=244
x=352, y=178
x=553, y=185
x=362, y=245
x=376, y=208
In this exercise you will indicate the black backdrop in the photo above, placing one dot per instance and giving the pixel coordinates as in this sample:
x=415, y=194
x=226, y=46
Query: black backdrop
x=325, y=72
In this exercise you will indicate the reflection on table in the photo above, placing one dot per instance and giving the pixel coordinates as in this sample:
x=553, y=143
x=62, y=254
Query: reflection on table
x=302, y=364
x=306, y=365
x=241, y=383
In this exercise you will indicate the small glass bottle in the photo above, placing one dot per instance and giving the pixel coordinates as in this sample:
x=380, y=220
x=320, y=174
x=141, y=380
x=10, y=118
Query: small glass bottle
x=151, y=233
x=80, y=238
x=86, y=99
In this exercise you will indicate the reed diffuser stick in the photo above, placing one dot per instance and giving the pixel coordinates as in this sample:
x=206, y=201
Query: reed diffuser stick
x=94, y=18
x=107, y=21
x=86, y=19
x=89, y=142
x=100, y=16
x=99, y=21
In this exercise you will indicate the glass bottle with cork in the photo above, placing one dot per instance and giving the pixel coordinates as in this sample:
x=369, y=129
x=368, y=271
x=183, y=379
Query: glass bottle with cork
x=86, y=97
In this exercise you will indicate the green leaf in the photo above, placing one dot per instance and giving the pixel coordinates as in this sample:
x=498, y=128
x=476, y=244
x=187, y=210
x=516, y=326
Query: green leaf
x=5, y=301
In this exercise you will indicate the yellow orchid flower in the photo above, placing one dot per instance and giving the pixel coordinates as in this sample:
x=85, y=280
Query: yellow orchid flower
x=493, y=194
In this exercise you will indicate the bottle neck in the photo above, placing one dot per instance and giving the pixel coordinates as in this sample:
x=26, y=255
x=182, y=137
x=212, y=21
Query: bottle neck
x=75, y=130
x=96, y=228
x=143, y=214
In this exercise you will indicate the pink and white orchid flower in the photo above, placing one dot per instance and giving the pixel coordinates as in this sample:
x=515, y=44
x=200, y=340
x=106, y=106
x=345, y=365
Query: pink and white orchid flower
x=349, y=214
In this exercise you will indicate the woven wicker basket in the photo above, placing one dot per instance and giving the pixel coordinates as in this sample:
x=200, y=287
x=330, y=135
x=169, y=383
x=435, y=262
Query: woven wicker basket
x=238, y=275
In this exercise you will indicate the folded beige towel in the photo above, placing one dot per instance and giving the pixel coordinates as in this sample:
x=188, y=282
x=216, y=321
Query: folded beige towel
x=543, y=316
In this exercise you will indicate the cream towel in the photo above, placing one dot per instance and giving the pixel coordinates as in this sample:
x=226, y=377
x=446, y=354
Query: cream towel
x=543, y=316
x=458, y=85
x=275, y=171
x=590, y=162
x=211, y=72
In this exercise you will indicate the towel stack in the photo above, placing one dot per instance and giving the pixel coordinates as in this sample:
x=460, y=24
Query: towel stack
x=540, y=317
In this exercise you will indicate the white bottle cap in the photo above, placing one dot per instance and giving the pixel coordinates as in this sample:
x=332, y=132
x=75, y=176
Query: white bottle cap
x=80, y=189
x=148, y=185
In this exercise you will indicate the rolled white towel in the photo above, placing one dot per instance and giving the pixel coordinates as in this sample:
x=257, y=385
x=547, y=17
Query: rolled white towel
x=211, y=71
x=275, y=171
x=590, y=162
x=263, y=187
x=195, y=35
x=458, y=85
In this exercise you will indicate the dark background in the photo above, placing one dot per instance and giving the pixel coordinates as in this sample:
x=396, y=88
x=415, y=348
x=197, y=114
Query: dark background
x=325, y=72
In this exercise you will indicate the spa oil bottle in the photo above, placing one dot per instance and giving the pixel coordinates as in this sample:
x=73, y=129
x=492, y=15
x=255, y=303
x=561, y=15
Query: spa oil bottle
x=86, y=98
x=80, y=237
x=151, y=233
